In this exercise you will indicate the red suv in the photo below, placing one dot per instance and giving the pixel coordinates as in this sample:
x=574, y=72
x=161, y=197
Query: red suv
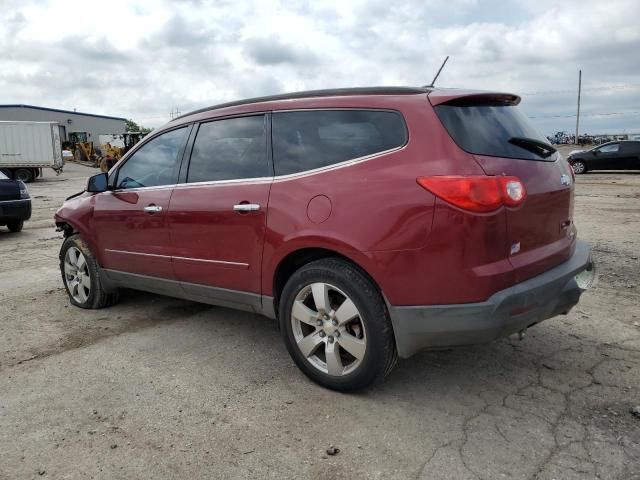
x=371, y=222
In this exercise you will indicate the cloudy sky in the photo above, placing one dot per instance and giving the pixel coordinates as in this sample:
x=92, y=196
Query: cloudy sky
x=141, y=59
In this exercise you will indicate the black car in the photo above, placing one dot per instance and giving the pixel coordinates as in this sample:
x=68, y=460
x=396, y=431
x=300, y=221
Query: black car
x=619, y=155
x=15, y=203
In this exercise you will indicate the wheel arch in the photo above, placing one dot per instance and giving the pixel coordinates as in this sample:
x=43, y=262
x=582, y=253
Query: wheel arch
x=296, y=259
x=69, y=228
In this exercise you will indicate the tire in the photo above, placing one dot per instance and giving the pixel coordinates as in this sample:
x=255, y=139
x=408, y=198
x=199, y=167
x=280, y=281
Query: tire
x=579, y=167
x=15, y=226
x=81, y=278
x=8, y=173
x=363, y=325
x=24, y=174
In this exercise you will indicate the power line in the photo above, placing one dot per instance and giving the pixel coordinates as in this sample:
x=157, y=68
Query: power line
x=590, y=89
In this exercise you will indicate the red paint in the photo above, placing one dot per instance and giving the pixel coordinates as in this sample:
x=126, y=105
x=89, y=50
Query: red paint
x=418, y=248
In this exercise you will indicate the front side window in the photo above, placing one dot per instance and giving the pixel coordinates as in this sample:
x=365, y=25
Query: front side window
x=610, y=148
x=154, y=163
x=307, y=140
x=230, y=149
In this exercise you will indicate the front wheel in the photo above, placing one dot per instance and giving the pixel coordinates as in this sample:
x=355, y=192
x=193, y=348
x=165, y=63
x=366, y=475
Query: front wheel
x=79, y=271
x=336, y=326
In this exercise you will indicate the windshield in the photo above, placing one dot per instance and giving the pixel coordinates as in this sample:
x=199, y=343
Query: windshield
x=490, y=129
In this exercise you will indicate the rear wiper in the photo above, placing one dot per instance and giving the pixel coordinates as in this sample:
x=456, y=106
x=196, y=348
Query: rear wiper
x=536, y=146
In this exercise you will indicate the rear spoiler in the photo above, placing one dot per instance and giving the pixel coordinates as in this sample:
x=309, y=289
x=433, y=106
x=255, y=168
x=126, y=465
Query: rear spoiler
x=464, y=98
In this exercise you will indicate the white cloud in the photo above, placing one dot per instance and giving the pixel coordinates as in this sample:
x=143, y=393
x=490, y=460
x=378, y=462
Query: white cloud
x=140, y=59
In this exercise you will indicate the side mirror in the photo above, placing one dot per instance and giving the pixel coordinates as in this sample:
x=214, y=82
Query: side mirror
x=596, y=152
x=98, y=183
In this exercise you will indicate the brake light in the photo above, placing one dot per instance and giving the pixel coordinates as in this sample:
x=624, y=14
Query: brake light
x=480, y=194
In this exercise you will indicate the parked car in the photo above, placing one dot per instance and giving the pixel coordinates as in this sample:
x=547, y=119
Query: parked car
x=15, y=203
x=618, y=155
x=372, y=223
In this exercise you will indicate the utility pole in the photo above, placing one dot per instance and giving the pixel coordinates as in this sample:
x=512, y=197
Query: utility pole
x=578, y=114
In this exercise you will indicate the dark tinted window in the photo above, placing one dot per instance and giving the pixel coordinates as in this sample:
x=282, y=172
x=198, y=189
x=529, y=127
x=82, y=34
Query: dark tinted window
x=611, y=148
x=307, y=140
x=486, y=130
x=230, y=149
x=154, y=164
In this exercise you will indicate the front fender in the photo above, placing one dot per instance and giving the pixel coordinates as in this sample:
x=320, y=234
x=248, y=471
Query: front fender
x=77, y=212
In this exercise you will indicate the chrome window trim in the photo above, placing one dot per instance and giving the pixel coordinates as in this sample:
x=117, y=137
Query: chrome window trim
x=290, y=176
x=146, y=189
x=276, y=178
x=337, y=166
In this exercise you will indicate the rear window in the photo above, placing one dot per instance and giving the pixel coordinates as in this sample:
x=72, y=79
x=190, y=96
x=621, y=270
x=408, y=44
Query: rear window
x=487, y=129
x=307, y=140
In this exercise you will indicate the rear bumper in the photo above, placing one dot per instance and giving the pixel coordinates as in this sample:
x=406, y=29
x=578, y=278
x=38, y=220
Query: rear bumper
x=12, y=210
x=504, y=313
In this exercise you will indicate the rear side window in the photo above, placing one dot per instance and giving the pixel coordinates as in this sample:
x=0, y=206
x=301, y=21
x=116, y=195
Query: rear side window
x=612, y=148
x=307, y=140
x=488, y=129
x=230, y=149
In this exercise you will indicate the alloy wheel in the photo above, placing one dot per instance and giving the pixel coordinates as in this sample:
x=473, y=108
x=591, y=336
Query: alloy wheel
x=76, y=273
x=328, y=329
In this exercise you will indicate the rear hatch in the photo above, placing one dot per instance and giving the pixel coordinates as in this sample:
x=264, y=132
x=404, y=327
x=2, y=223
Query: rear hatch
x=499, y=137
x=9, y=189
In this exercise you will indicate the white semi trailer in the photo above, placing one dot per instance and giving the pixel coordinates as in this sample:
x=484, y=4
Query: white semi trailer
x=28, y=147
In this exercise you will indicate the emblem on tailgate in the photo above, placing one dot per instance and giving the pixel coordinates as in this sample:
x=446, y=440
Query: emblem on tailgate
x=565, y=179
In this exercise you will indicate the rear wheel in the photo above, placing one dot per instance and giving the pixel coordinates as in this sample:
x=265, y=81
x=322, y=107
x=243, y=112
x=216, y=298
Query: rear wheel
x=24, y=174
x=80, y=276
x=15, y=226
x=336, y=326
x=579, y=167
x=8, y=173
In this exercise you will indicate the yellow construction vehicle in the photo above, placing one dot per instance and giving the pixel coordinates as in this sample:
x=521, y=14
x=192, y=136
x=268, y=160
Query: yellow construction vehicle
x=112, y=152
x=81, y=147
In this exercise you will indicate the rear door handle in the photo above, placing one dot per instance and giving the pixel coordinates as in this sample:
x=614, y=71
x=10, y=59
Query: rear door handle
x=246, y=207
x=153, y=209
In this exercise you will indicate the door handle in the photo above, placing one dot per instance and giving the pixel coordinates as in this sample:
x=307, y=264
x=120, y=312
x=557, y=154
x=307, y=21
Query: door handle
x=153, y=209
x=246, y=207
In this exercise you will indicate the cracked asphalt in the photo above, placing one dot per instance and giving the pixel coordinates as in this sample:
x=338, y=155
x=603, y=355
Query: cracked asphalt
x=162, y=388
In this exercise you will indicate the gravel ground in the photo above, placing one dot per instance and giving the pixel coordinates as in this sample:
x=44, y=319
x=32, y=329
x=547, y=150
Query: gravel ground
x=162, y=388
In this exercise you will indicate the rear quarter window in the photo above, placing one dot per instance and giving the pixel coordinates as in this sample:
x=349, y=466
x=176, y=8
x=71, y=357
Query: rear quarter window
x=486, y=129
x=307, y=140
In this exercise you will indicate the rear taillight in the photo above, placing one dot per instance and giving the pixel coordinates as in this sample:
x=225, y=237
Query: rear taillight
x=479, y=194
x=24, y=193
